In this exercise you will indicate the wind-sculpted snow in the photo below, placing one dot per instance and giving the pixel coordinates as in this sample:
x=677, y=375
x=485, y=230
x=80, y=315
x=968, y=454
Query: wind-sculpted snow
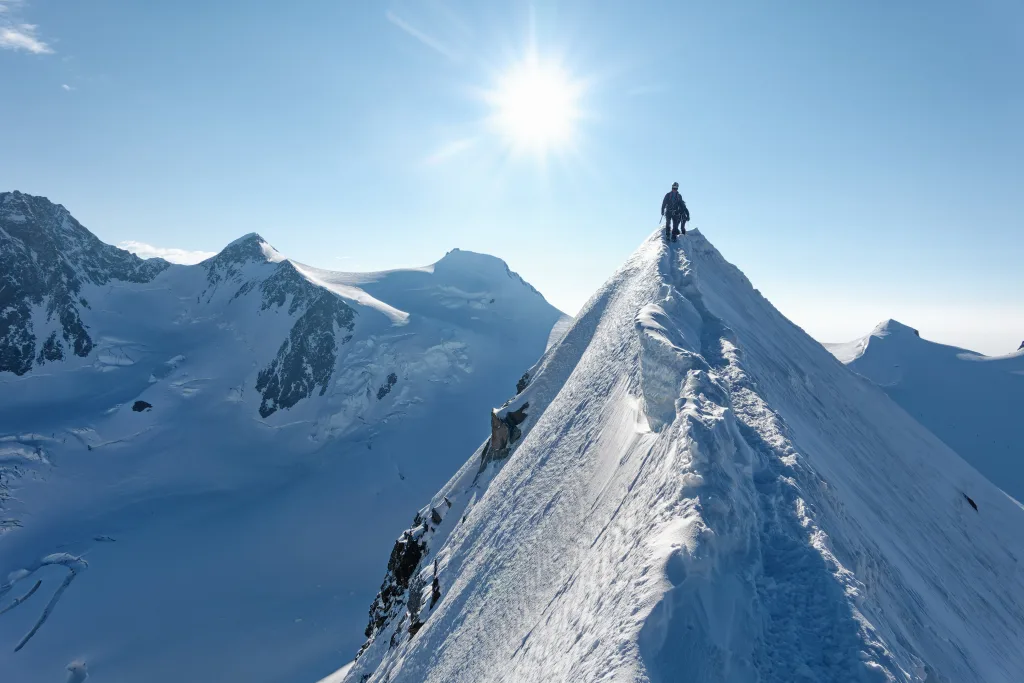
x=972, y=402
x=702, y=493
x=234, y=452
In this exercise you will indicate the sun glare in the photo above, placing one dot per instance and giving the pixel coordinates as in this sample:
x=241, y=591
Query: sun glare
x=536, y=107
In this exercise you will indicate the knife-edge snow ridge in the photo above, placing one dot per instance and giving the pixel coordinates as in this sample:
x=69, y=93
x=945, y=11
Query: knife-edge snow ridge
x=688, y=487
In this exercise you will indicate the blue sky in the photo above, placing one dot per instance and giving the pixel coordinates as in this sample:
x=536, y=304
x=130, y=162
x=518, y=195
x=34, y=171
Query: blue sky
x=858, y=160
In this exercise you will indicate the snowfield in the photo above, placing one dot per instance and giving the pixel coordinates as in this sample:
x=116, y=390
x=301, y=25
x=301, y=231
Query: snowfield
x=972, y=402
x=200, y=466
x=690, y=488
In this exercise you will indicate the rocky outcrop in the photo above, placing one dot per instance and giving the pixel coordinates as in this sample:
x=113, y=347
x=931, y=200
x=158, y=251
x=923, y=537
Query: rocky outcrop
x=306, y=359
x=51, y=350
x=46, y=257
x=141, y=406
x=385, y=388
x=400, y=601
x=505, y=431
x=499, y=433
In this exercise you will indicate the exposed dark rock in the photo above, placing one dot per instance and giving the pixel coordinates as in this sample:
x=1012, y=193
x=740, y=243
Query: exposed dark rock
x=971, y=502
x=403, y=584
x=499, y=433
x=517, y=417
x=307, y=358
x=385, y=389
x=140, y=406
x=1021, y=347
x=228, y=264
x=52, y=350
x=447, y=502
x=435, y=588
x=523, y=382
x=402, y=565
x=46, y=257
x=504, y=432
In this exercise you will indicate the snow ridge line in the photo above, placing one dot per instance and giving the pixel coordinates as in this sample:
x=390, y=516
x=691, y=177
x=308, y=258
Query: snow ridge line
x=787, y=611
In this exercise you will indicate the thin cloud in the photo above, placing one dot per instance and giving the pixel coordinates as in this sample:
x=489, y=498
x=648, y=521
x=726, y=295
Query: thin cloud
x=419, y=35
x=172, y=254
x=19, y=35
x=23, y=37
x=66, y=87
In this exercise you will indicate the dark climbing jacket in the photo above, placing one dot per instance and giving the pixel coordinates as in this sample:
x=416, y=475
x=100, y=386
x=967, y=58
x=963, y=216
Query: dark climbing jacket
x=673, y=205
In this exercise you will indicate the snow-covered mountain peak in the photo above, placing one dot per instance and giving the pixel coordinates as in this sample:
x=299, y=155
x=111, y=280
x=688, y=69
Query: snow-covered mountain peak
x=895, y=329
x=19, y=207
x=689, y=488
x=241, y=416
x=47, y=260
x=968, y=399
x=477, y=270
x=249, y=248
x=462, y=259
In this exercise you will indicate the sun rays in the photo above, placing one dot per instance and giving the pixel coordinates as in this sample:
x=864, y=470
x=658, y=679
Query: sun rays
x=536, y=107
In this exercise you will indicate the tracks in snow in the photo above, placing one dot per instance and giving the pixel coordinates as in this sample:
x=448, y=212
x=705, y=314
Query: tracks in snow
x=778, y=609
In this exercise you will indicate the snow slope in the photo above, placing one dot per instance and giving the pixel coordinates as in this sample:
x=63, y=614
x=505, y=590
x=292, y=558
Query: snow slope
x=692, y=489
x=205, y=475
x=971, y=401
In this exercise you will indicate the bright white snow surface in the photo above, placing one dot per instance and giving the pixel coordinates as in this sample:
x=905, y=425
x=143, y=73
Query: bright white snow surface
x=703, y=493
x=196, y=541
x=974, y=403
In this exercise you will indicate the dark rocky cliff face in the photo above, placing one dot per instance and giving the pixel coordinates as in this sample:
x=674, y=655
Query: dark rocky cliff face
x=306, y=359
x=46, y=257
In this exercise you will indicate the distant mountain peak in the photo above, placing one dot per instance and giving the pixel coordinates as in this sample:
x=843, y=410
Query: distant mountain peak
x=474, y=263
x=248, y=248
x=229, y=263
x=470, y=259
x=893, y=327
x=46, y=258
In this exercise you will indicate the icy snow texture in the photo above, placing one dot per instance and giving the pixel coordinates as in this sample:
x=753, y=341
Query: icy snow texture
x=974, y=403
x=224, y=546
x=703, y=494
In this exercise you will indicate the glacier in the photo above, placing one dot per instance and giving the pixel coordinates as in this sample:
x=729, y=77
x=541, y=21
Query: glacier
x=200, y=465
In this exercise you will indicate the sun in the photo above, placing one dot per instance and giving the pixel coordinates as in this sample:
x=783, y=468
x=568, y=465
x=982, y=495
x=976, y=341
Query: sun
x=536, y=106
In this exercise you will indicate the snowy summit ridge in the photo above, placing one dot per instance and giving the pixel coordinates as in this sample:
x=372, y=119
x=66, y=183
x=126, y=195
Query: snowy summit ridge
x=689, y=488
